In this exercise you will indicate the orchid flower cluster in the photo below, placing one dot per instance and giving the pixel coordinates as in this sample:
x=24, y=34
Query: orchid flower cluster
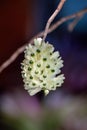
x=41, y=67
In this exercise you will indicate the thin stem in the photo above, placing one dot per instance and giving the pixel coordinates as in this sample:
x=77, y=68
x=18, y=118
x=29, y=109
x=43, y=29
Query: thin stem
x=66, y=18
x=72, y=25
x=59, y=7
x=51, y=29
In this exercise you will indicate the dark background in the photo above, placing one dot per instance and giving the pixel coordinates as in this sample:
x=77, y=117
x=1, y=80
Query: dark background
x=20, y=20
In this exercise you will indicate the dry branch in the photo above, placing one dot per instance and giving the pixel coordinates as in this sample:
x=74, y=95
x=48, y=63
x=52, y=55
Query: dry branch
x=72, y=25
x=52, y=28
x=59, y=7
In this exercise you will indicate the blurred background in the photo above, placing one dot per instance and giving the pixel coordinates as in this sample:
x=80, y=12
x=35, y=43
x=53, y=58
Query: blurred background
x=63, y=109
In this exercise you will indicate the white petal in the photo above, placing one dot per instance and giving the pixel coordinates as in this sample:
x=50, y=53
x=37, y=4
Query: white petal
x=34, y=91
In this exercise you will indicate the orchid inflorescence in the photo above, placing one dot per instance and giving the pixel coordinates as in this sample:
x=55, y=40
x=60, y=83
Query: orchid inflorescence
x=41, y=67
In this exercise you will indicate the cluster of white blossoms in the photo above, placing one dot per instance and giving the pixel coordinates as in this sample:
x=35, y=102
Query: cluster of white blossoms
x=41, y=67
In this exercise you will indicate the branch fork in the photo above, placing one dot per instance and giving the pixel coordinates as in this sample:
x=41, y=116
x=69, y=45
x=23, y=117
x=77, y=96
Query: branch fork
x=48, y=29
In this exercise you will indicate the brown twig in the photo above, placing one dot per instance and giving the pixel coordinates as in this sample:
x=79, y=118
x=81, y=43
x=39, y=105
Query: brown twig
x=59, y=7
x=66, y=18
x=72, y=25
x=52, y=28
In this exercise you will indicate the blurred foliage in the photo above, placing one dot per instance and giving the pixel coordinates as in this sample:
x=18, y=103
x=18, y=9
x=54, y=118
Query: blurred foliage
x=22, y=123
x=17, y=123
x=51, y=120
